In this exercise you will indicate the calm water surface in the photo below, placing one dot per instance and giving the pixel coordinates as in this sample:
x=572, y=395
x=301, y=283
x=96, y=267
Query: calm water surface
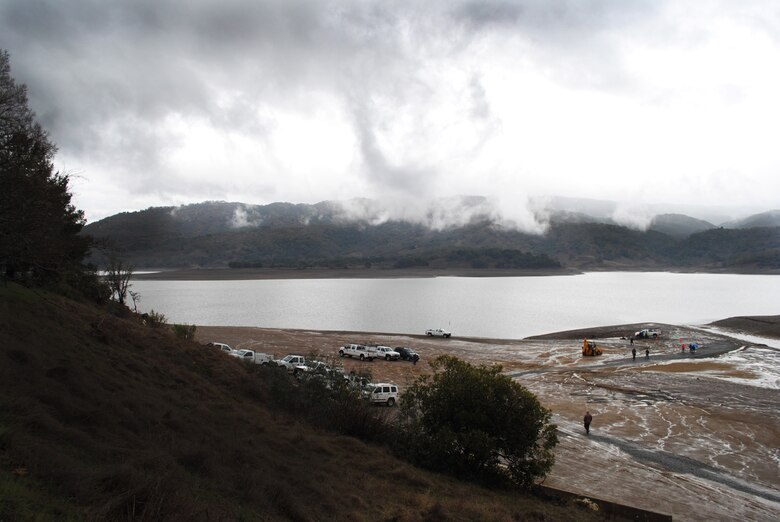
x=499, y=307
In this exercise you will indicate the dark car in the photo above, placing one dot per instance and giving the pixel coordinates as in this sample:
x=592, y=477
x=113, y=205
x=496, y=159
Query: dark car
x=407, y=354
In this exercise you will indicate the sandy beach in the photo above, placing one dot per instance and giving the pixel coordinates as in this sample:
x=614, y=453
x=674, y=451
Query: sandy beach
x=693, y=435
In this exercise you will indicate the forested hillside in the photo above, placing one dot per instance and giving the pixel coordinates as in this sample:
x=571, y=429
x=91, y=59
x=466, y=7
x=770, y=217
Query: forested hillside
x=282, y=235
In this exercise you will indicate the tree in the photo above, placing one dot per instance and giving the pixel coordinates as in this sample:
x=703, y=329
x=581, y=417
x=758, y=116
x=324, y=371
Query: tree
x=476, y=423
x=39, y=227
x=117, y=277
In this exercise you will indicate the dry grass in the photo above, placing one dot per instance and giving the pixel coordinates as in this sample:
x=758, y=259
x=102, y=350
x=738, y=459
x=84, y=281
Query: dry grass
x=113, y=420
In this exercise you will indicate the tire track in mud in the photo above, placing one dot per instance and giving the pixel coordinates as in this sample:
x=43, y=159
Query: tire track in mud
x=686, y=465
x=615, y=386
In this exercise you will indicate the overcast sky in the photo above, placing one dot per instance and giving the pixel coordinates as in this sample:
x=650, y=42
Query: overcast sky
x=165, y=102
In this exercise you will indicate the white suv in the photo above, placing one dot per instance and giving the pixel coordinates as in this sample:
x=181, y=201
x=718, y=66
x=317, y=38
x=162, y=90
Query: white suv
x=382, y=393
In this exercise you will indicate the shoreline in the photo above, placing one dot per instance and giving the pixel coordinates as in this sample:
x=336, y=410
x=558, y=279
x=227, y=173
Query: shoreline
x=248, y=274
x=762, y=326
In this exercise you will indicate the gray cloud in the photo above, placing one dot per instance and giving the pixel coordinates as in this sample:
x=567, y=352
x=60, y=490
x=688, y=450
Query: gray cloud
x=108, y=78
x=89, y=62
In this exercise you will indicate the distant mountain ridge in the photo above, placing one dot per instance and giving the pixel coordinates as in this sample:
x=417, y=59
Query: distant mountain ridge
x=679, y=225
x=770, y=218
x=457, y=232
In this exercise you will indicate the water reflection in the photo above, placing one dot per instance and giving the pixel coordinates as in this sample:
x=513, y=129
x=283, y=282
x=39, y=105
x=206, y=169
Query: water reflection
x=497, y=307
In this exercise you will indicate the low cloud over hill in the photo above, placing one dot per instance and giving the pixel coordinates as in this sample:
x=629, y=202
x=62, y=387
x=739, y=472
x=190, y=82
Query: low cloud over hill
x=467, y=232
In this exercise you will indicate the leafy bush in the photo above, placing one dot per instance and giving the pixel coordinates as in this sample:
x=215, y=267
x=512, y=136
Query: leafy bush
x=154, y=319
x=328, y=400
x=185, y=331
x=476, y=423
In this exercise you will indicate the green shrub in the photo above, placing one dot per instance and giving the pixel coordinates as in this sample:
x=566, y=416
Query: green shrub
x=476, y=423
x=154, y=319
x=185, y=331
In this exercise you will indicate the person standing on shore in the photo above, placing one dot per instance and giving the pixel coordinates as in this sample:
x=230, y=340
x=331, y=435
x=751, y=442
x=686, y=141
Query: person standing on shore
x=633, y=353
x=587, y=420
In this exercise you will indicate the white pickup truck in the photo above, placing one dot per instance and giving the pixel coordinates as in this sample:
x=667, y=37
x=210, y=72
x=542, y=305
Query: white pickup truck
x=293, y=363
x=648, y=333
x=359, y=351
x=387, y=353
x=221, y=346
x=252, y=356
x=437, y=332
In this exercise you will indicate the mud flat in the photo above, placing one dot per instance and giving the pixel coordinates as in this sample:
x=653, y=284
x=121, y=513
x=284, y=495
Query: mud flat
x=693, y=435
x=760, y=325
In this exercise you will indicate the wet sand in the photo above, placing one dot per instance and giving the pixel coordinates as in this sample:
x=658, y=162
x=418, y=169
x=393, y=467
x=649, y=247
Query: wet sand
x=670, y=433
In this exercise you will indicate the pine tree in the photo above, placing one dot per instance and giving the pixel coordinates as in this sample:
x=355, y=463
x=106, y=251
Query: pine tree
x=39, y=226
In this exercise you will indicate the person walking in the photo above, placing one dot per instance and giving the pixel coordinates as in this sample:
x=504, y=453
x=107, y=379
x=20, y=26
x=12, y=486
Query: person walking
x=647, y=353
x=587, y=420
x=633, y=353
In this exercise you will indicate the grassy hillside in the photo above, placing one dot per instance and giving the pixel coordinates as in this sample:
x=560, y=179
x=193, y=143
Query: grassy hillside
x=104, y=418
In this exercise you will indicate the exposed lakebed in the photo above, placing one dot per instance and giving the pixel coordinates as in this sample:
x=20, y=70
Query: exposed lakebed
x=691, y=435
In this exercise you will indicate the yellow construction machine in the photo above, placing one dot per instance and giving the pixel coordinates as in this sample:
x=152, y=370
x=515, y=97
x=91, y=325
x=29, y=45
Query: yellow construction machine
x=589, y=348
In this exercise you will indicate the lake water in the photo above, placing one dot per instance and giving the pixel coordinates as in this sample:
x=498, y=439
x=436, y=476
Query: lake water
x=497, y=307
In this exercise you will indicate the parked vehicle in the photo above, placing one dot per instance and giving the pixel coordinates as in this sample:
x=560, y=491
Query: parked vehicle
x=293, y=363
x=252, y=356
x=325, y=369
x=358, y=351
x=407, y=354
x=387, y=353
x=437, y=332
x=382, y=393
x=221, y=346
x=321, y=371
x=314, y=370
x=318, y=367
x=648, y=333
x=357, y=381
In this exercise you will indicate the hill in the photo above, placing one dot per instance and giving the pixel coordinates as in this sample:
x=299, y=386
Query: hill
x=282, y=235
x=105, y=418
x=764, y=219
x=678, y=225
